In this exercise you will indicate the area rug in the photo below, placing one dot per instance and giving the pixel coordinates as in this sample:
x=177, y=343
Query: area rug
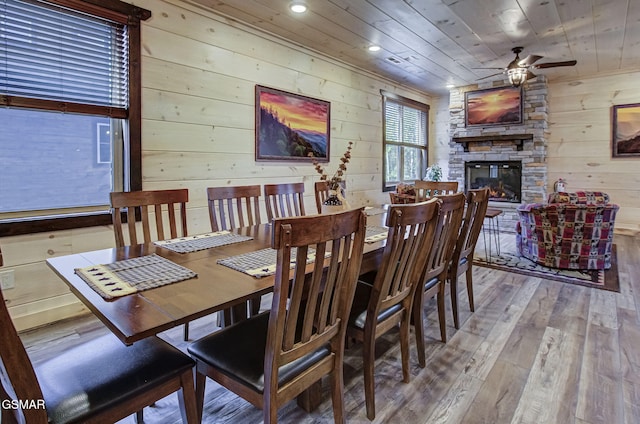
x=512, y=262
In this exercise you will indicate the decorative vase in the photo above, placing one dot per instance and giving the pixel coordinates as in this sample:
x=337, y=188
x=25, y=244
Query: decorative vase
x=335, y=202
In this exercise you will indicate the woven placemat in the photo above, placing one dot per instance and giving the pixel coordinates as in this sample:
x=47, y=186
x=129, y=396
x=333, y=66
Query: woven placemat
x=133, y=275
x=262, y=263
x=375, y=234
x=202, y=241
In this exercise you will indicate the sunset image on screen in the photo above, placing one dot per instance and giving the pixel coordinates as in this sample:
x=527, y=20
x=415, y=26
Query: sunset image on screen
x=501, y=106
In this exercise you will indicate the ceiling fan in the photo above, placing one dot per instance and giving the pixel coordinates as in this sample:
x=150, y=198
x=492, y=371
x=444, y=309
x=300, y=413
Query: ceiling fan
x=519, y=70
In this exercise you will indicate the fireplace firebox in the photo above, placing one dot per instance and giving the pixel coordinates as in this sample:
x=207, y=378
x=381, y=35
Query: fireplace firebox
x=504, y=179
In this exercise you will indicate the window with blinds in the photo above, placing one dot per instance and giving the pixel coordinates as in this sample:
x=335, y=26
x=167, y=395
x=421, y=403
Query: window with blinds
x=405, y=140
x=66, y=107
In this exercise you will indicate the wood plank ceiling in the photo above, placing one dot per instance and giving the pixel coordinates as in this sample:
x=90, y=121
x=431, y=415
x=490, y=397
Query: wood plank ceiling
x=427, y=44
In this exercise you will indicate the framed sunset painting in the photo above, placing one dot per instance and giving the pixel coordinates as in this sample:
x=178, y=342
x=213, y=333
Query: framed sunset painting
x=291, y=127
x=626, y=130
x=493, y=106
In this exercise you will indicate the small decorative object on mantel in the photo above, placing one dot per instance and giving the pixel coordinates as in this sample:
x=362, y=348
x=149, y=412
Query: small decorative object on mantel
x=335, y=200
x=559, y=186
x=434, y=173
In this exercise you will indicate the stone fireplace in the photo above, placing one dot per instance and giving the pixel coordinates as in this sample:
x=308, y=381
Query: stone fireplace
x=524, y=144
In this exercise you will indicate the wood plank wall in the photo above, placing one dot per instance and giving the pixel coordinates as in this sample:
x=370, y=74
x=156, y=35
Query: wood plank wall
x=199, y=71
x=580, y=142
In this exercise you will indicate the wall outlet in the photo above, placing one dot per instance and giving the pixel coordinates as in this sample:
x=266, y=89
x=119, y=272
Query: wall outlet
x=7, y=279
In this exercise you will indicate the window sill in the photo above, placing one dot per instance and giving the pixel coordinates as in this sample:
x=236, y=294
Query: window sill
x=46, y=224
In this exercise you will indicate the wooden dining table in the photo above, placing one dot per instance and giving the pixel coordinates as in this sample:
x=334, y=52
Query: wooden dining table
x=216, y=287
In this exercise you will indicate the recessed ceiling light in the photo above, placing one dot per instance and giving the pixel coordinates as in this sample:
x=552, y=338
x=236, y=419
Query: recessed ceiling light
x=298, y=7
x=374, y=48
x=449, y=85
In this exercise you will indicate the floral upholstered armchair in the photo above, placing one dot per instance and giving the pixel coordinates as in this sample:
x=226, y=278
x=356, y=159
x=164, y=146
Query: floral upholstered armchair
x=572, y=231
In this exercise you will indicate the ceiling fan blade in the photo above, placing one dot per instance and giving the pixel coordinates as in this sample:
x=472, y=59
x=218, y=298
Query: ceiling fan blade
x=555, y=64
x=529, y=60
x=530, y=75
x=489, y=76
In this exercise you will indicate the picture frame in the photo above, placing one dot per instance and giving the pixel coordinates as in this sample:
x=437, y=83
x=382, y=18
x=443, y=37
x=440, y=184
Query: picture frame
x=493, y=106
x=625, y=130
x=291, y=127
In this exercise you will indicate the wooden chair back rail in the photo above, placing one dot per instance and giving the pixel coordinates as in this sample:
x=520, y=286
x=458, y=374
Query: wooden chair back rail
x=143, y=200
x=284, y=200
x=426, y=189
x=234, y=207
x=477, y=203
x=446, y=235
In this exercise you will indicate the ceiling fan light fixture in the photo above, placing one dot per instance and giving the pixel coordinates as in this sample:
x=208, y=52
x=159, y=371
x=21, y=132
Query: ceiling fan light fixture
x=517, y=76
x=298, y=7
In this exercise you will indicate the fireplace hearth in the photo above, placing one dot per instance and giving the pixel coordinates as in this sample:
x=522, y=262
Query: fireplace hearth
x=503, y=178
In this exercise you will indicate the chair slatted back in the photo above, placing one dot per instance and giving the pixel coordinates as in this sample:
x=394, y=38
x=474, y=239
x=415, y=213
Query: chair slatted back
x=284, y=200
x=446, y=235
x=411, y=232
x=309, y=312
x=233, y=207
x=141, y=203
x=477, y=203
x=427, y=189
x=17, y=376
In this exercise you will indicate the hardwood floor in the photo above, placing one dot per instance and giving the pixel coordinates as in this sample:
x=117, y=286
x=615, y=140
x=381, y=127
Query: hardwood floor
x=535, y=351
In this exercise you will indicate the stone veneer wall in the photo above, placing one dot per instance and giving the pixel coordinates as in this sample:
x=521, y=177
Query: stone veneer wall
x=533, y=155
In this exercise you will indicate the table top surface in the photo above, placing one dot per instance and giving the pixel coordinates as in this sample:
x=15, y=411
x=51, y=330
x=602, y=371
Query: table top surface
x=216, y=287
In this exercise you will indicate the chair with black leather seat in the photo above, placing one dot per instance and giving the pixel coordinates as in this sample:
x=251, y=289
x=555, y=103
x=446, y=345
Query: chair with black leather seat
x=462, y=259
x=99, y=381
x=234, y=207
x=284, y=200
x=273, y=357
x=385, y=304
x=435, y=271
x=163, y=204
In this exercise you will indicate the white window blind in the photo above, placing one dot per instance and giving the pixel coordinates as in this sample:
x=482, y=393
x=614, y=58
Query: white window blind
x=405, y=140
x=53, y=53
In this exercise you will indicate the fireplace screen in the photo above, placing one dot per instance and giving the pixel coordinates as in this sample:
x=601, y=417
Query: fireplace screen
x=504, y=179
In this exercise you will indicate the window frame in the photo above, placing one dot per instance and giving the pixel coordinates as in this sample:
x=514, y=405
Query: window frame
x=131, y=16
x=395, y=98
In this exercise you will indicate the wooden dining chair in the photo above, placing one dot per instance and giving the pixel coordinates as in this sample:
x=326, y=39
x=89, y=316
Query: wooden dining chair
x=99, y=381
x=386, y=303
x=273, y=357
x=233, y=207
x=138, y=205
x=462, y=259
x=434, y=273
x=284, y=200
x=427, y=189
